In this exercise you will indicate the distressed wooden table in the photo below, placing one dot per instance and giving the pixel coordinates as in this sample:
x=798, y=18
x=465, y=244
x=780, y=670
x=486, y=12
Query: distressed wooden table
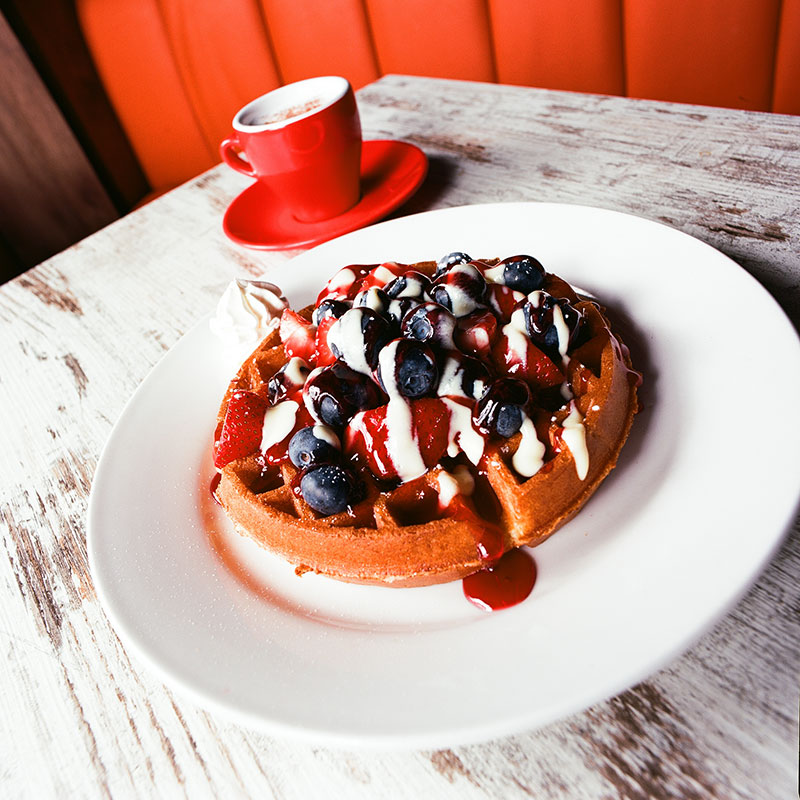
x=81, y=718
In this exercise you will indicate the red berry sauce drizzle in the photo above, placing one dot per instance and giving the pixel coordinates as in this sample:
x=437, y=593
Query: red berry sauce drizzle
x=508, y=581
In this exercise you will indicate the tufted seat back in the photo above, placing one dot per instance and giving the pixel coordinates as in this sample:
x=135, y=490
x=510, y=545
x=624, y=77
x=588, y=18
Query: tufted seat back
x=177, y=70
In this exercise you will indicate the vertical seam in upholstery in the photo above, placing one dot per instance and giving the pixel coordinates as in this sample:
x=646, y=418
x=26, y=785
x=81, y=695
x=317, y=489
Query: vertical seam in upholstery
x=775, y=50
x=371, y=36
x=200, y=128
x=623, y=48
x=270, y=43
x=492, y=49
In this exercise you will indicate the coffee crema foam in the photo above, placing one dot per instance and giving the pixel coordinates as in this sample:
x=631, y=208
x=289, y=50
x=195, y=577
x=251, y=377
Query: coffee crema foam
x=285, y=114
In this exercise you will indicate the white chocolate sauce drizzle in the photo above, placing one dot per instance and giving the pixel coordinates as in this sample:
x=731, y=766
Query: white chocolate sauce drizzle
x=495, y=274
x=278, y=423
x=459, y=481
x=401, y=443
x=341, y=281
x=346, y=335
x=529, y=458
x=574, y=437
x=383, y=274
x=451, y=381
x=296, y=371
x=517, y=339
x=462, y=436
x=562, y=329
x=448, y=488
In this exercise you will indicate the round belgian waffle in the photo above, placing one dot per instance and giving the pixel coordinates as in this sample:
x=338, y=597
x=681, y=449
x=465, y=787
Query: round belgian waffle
x=400, y=535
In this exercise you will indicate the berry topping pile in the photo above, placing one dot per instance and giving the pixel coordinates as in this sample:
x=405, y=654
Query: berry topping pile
x=394, y=371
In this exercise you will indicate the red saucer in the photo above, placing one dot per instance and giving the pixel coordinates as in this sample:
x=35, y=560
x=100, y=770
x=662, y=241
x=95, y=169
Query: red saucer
x=390, y=173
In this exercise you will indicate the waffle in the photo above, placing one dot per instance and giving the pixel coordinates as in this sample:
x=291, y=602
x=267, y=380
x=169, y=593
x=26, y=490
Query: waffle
x=457, y=517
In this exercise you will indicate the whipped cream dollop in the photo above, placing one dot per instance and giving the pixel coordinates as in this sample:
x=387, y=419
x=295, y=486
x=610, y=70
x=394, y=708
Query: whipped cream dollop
x=247, y=311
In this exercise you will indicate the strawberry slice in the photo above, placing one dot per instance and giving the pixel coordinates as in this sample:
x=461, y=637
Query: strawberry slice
x=476, y=334
x=365, y=437
x=297, y=335
x=374, y=436
x=540, y=370
x=503, y=300
x=431, y=427
x=530, y=365
x=241, y=429
x=324, y=355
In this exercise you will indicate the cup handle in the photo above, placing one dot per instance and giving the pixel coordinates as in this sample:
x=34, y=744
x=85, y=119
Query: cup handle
x=229, y=149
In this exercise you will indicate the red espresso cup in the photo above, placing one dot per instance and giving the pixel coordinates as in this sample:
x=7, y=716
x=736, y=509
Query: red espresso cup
x=303, y=142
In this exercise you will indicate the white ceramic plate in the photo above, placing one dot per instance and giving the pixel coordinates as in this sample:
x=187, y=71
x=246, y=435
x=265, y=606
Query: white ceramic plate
x=704, y=490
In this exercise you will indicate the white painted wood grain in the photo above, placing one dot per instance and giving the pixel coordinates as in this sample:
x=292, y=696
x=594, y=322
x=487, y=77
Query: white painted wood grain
x=80, y=718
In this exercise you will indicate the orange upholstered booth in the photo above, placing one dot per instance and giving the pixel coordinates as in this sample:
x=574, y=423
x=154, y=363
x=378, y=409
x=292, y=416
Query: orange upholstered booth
x=177, y=70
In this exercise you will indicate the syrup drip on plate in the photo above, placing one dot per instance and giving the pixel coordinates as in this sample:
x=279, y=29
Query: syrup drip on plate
x=504, y=584
x=214, y=485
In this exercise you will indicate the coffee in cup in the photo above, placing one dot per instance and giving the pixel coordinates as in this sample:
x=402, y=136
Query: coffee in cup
x=286, y=113
x=303, y=142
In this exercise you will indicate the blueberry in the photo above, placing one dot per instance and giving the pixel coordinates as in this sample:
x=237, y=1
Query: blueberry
x=292, y=375
x=545, y=325
x=328, y=489
x=331, y=411
x=550, y=339
x=461, y=290
x=410, y=284
x=440, y=295
x=408, y=367
x=334, y=394
x=501, y=407
x=538, y=314
x=508, y=420
x=523, y=273
x=358, y=337
x=399, y=307
x=373, y=298
x=462, y=376
x=329, y=307
x=317, y=444
x=430, y=322
x=416, y=374
x=420, y=326
x=450, y=260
